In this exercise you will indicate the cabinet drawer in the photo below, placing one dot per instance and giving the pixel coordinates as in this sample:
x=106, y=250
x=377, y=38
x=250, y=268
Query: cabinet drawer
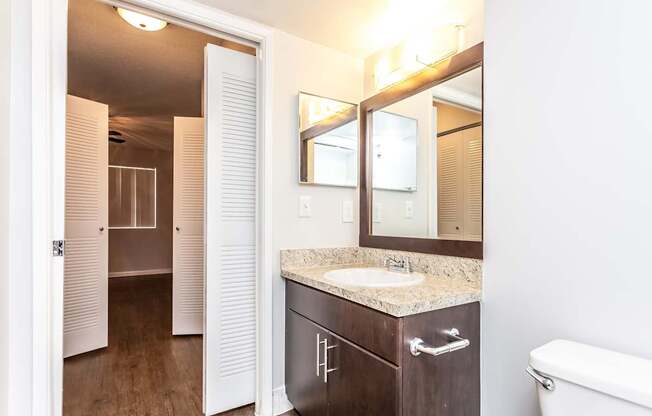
x=373, y=330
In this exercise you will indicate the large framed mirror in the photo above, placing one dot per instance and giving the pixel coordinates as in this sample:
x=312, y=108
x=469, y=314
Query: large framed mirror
x=328, y=141
x=421, y=161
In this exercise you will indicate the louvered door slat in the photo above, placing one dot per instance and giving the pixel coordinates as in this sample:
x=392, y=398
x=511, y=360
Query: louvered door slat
x=188, y=237
x=85, y=294
x=230, y=338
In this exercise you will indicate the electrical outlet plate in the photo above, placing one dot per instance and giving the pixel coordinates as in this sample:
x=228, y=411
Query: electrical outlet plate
x=409, y=209
x=347, y=211
x=377, y=212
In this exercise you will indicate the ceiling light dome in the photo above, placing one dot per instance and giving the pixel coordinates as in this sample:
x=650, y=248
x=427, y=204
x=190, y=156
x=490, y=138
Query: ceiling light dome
x=141, y=21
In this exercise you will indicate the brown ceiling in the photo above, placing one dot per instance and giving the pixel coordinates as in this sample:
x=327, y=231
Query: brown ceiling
x=146, y=78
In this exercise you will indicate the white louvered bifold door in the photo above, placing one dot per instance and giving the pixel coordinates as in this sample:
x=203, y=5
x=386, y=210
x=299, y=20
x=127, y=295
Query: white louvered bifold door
x=85, y=299
x=230, y=321
x=188, y=233
x=449, y=186
x=472, y=154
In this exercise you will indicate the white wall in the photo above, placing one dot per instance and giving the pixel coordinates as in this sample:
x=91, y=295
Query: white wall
x=5, y=37
x=568, y=180
x=305, y=66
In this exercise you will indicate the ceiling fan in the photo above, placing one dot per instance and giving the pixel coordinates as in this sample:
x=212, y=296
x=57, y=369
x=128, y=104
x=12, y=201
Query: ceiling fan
x=115, y=137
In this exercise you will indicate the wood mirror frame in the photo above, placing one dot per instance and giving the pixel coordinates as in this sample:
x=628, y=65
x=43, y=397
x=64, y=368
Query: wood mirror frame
x=457, y=64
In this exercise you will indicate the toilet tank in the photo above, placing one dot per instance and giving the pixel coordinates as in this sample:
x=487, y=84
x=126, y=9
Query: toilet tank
x=592, y=381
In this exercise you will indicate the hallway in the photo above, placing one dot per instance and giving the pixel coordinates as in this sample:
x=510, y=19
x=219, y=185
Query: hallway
x=144, y=371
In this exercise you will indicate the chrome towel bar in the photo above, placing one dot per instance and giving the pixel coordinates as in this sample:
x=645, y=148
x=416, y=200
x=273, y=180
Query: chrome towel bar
x=418, y=346
x=546, y=383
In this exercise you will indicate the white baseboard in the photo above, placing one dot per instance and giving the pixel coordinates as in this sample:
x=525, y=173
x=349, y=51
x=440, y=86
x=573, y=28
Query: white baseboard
x=281, y=402
x=131, y=273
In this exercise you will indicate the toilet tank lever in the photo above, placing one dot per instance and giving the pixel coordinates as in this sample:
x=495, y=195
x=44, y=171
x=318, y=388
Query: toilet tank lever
x=546, y=382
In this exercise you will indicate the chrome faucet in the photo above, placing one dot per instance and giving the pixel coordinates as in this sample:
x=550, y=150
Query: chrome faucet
x=394, y=264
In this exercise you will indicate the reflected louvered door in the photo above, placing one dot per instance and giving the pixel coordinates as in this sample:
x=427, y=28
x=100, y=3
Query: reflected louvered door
x=230, y=324
x=85, y=316
x=188, y=234
x=450, y=198
x=472, y=166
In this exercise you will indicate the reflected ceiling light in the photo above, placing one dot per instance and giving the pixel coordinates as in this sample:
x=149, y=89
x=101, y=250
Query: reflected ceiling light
x=141, y=21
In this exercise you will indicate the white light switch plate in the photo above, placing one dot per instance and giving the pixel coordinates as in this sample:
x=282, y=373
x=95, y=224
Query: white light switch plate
x=409, y=209
x=347, y=211
x=305, y=206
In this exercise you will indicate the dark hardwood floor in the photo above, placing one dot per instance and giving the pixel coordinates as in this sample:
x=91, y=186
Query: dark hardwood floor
x=145, y=371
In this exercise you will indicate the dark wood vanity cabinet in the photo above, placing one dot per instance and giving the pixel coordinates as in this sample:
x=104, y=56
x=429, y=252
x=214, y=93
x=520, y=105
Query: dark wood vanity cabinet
x=370, y=368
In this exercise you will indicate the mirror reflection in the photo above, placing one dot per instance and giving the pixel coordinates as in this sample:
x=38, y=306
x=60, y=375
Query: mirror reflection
x=427, y=163
x=328, y=135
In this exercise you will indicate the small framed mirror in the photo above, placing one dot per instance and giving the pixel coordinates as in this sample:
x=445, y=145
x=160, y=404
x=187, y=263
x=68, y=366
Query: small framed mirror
x=421, y=161
x=328, y=141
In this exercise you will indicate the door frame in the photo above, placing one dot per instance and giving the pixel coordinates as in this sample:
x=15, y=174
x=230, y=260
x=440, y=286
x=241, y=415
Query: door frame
x=48, y=68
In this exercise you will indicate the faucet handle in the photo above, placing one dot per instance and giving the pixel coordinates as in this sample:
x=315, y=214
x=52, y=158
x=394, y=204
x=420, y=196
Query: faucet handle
x=407, y=265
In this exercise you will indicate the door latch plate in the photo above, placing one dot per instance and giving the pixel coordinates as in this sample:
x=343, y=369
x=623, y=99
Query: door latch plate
x=58, y=248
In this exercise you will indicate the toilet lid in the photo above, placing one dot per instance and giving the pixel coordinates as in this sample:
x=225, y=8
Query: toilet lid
x=609, y=372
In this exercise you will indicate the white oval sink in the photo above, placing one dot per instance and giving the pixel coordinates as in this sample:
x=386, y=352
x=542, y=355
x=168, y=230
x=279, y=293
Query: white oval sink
x=373, y=277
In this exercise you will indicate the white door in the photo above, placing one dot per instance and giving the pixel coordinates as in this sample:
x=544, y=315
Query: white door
x=85, y=296
x=188, y=233
x=472, y=176
x=230, y=295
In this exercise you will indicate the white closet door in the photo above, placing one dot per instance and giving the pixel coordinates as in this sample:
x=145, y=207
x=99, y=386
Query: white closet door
x=188, y=235
x=230, y=322
x=472, y=151
x=85, y=313
x=450, y=198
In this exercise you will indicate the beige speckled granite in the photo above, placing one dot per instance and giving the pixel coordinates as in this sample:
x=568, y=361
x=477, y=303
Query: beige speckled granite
x=450, y=281
x=454, y=267
x=320, y=256
x=440, y=266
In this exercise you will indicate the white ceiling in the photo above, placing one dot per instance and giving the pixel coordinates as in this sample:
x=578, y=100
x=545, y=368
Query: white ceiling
x=146, y=78
x=465, y=90
x=357, y=27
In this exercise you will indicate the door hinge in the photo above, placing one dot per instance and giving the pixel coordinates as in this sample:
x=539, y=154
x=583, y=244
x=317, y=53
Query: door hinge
x=58, y=248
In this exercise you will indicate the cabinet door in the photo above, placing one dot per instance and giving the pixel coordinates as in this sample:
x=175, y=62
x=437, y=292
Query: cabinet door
x=360, y=383
x=449, y=384
x=303, y=376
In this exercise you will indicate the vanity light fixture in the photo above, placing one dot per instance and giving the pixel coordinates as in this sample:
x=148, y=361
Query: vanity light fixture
x=141, y=21
x=451, y=41
x=418, y=52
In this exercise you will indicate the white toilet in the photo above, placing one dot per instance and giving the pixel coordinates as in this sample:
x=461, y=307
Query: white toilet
x=576, y=380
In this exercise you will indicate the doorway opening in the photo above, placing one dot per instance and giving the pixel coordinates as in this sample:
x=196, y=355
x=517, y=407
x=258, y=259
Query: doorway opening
x=161, y=162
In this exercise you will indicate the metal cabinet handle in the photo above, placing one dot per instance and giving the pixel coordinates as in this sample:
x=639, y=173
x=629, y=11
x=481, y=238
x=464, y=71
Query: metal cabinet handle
x=326, y=369
x=178, y=228
x=418, y=346
x=318, y=364
x=325, y=357
x=101, y=229
x=546, y=382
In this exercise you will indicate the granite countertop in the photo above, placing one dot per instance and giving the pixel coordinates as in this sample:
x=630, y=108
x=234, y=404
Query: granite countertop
x=435, y=292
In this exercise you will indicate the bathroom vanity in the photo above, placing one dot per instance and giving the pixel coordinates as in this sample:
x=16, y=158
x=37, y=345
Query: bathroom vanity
x=361, y=340
x=348, y=348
